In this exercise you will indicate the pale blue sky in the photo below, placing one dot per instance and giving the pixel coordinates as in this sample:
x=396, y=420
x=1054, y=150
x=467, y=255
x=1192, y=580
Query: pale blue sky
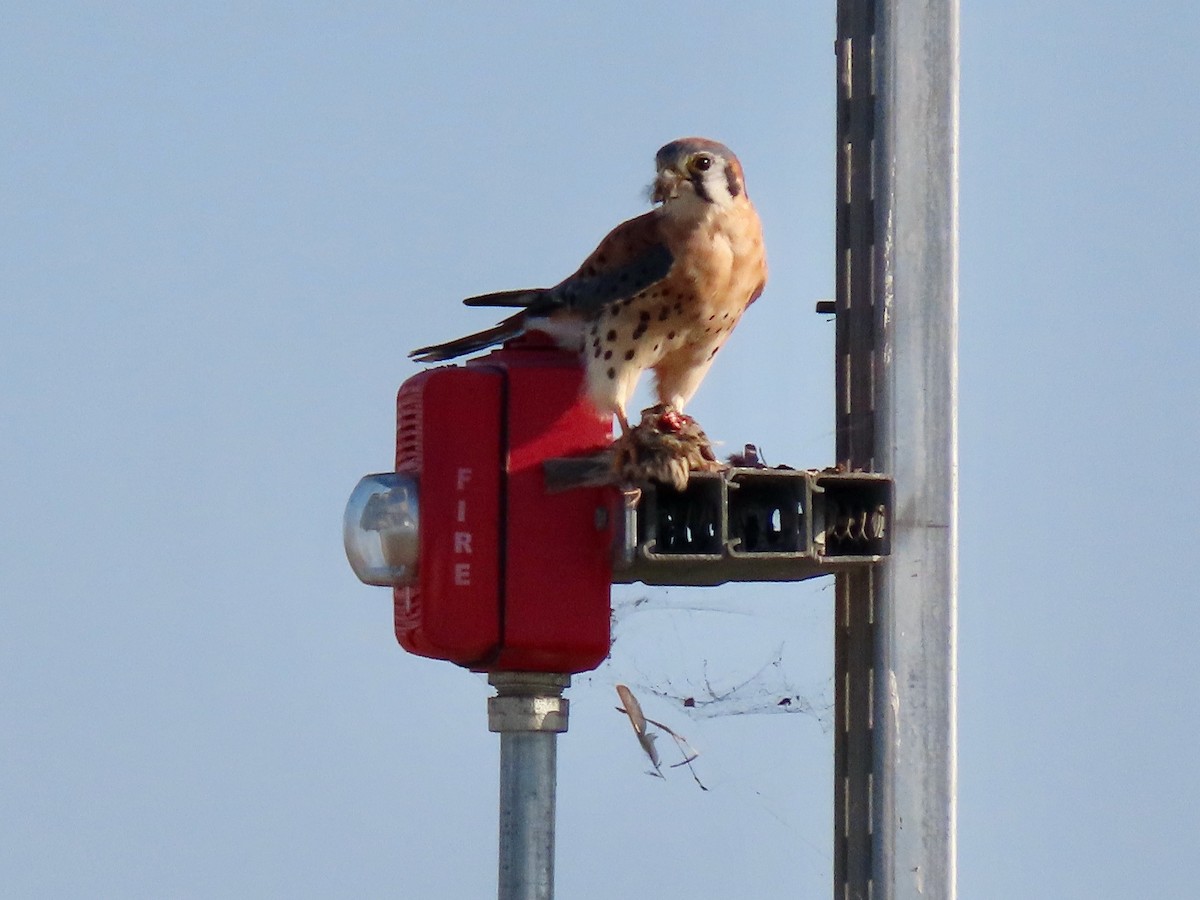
x=222, y=226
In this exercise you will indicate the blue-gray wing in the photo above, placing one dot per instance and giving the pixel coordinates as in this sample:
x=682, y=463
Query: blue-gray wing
x=630, y=259
x=590, y=292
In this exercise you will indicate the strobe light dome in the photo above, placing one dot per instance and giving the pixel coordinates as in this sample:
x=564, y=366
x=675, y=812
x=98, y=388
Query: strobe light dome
x=380, y=529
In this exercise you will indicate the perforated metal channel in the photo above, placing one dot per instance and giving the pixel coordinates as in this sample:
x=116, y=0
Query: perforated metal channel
x=855, y=343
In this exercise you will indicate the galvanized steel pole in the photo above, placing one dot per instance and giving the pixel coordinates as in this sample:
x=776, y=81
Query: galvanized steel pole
x=916, y=654
x=529, y=712
x=897, y=309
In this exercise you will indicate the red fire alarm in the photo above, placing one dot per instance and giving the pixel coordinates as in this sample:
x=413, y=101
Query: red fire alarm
x=488, y=569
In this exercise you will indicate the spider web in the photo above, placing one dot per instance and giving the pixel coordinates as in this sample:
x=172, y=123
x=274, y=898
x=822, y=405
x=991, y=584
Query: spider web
x=728, y=653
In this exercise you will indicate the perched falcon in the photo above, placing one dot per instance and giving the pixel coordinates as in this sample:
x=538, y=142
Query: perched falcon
x=662, y=291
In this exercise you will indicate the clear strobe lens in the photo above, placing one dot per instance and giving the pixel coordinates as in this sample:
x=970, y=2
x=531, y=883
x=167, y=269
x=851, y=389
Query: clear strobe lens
x=380, y=529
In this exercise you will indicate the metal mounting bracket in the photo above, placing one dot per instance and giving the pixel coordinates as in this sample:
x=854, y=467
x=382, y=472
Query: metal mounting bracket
x=754, y=524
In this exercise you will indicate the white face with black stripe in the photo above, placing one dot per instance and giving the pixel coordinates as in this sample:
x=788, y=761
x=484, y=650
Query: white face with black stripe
x=695, y=174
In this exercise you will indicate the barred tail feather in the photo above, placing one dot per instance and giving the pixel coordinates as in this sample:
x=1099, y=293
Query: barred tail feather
x=510, y=328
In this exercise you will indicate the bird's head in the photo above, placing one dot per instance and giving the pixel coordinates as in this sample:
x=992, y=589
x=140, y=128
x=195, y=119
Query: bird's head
x=697, y=172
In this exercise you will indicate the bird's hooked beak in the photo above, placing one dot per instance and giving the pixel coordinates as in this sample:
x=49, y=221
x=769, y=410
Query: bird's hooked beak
x=666, y=185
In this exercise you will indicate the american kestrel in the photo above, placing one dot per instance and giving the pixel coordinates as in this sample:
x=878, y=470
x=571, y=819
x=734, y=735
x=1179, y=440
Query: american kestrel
x=662, y=291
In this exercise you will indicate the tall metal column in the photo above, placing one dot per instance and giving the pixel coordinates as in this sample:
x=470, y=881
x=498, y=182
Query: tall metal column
x=897, y=272
x=529, y=712
x=854, y=634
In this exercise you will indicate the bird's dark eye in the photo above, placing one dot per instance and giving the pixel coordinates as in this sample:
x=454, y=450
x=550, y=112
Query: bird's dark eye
x=702, y=162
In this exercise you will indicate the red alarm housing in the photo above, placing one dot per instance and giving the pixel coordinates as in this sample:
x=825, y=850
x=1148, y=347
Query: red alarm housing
x=509, y=577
